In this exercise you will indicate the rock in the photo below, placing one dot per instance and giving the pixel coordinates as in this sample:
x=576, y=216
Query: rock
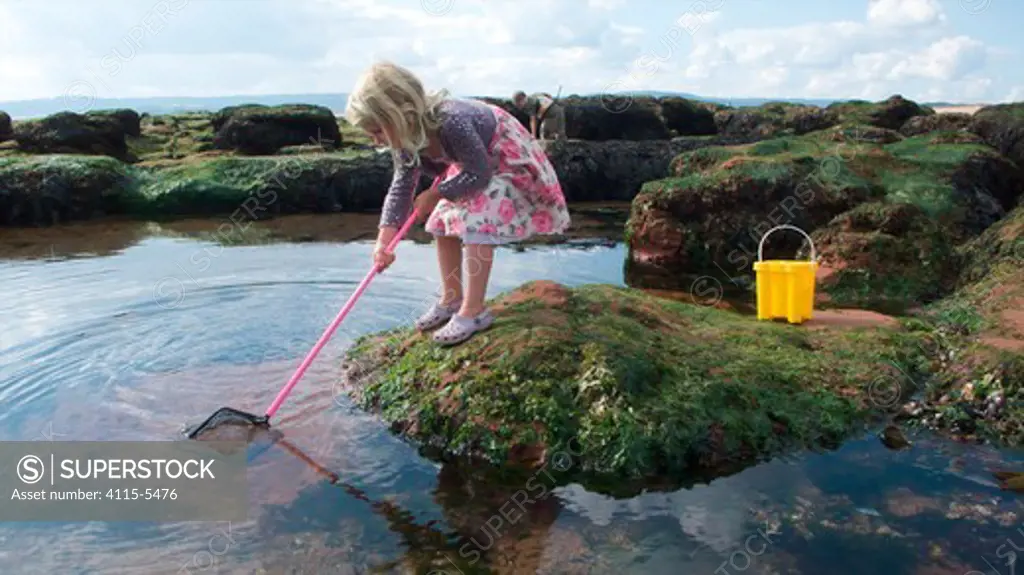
x=710, y=216
x=220, y=117
x=263, y=187
x=1002, y=127
x=774, y=119
x=57, y=189
x=849, y=133
x=71, y=133
x=893, y=438
x=6, y=130
x=509, y=107
x=615, y=117
x=885, y=256
x=890, y=114
x=953, y=122
x=1001, y=245
x=263, y=130
x=304, y=182
x=1010, y=480
x=615, y=170
x=131, y=122
x=600, y=119
x=685, y=117
x=628, y=384
x=44, y=191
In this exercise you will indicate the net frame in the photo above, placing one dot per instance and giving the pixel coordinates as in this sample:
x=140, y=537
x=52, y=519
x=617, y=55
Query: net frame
x=230, y=416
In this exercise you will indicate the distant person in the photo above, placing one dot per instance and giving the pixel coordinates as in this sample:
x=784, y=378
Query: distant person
x=543, y=110
x=493, y=184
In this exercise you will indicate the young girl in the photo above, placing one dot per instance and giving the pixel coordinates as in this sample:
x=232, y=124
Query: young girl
x=493, y=185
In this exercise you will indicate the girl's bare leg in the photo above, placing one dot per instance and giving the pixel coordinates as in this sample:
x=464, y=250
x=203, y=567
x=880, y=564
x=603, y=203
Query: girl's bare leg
x=449, y=259
x=479, y=258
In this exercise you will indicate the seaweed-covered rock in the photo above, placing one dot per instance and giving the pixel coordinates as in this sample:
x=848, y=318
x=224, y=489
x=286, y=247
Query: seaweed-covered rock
x=6, y=129
x=621, y=117
x=685, y=117
x=859, y=133
x=711, y=213
x=49, y=190
x=891, y=113
x=71, y=133
x=972, y=186
x=616, y=169
x=1001, y=244
x=599, y=119
x=44, y=190
x=634, y=385
x=268, y=186
x=1002, y=127
x=508, y=106
x=774, y=119
x=173, y=136
x=978, y=346
x=131, y=122
x=261, y=130
x=220, y=117
x=918, y=125
x=885, y=256
x=709, y=218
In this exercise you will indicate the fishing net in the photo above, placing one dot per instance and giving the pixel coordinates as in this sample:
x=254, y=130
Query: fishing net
x=227, y=424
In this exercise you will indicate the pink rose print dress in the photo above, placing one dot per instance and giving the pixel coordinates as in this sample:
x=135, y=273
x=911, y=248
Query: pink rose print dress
x=497, y=184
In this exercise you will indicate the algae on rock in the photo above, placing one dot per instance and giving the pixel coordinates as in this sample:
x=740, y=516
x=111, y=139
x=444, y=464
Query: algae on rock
x=709, y=218
x=977, y=340
x=637, y=386
x=887, y=256
x=55, y=189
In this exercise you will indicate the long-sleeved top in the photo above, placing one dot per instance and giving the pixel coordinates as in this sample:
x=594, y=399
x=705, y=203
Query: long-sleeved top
x=467, y=127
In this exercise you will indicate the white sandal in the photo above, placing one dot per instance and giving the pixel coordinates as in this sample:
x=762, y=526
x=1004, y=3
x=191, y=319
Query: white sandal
x=459, y=328
x=437, y=315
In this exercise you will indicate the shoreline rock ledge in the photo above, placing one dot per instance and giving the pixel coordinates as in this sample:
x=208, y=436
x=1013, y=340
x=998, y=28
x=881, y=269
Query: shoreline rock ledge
x=635, y=387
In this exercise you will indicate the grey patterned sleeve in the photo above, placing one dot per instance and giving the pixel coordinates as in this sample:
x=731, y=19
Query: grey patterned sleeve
x=465, y=146
x=398, y=202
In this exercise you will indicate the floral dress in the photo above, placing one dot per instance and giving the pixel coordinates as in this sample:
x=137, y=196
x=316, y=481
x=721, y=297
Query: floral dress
x=522, y=199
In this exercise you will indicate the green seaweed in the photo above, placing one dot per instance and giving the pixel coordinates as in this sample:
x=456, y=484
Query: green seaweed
x=642, y=386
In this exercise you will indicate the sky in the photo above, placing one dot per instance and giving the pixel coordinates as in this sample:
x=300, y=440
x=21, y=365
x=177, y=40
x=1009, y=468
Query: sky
x=928, y=50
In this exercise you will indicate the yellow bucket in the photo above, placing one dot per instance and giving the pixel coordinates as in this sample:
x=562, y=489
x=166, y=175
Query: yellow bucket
x=785, y=288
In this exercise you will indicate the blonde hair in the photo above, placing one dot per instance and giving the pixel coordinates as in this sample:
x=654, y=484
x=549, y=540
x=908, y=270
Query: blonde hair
x=388, y=95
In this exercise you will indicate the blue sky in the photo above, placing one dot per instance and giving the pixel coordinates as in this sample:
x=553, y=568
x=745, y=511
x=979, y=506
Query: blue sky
x=956, y=50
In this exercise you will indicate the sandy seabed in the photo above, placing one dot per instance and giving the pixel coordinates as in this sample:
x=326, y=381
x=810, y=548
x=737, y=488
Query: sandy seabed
x=965, y=109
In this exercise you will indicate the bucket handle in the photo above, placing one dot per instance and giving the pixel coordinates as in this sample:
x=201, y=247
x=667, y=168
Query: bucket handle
x=760, y=246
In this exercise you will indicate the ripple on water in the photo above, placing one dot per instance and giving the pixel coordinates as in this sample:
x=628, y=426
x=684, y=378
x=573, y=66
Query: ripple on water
x=98, y=355
x=154, y=407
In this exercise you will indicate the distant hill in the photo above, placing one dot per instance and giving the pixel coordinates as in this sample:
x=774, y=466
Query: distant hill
x=23, y=109
x=166, y=105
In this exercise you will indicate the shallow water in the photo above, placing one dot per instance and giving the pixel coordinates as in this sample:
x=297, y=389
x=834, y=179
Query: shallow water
x=158, y=331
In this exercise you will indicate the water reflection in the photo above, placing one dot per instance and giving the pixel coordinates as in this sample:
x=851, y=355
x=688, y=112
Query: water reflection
x=598, y=222
x=98, y=352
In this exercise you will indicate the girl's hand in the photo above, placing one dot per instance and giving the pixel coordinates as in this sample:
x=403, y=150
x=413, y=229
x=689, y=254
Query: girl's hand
x=425, y=203
x=381, y=258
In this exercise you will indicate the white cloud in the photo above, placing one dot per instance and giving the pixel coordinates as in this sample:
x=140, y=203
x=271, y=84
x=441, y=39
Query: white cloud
x=870, y=59
x=479, y=47
x=1016, y=94
x=903, y=13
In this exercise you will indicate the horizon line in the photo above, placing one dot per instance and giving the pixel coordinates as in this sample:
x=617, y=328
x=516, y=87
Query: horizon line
x=345, y=94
